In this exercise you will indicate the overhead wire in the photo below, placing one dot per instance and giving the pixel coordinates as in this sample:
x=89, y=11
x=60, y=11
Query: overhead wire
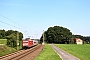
x=13, y=25
x=8, y=24
x=12, y=21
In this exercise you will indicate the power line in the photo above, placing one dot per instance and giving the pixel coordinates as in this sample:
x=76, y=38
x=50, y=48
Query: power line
x=13, y=25
x=11, y=20
x=9, y=24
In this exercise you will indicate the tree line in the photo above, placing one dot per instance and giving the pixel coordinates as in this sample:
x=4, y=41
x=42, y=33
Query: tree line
x=86, y=39
x=11, y=37
x=62, y=35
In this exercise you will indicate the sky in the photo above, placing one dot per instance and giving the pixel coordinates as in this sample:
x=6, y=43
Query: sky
x=31, y=17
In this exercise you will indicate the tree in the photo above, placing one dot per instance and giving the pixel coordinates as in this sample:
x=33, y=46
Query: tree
x=11, y=37
x=9, y=32
x=2, y=33
x=11, y=40
x=57, y=34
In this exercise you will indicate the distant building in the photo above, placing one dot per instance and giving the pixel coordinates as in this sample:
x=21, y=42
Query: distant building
x=78, y=41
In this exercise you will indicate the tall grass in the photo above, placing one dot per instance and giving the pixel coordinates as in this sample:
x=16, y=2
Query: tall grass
x=47, y=54
x=6, y=50
x=80, y=51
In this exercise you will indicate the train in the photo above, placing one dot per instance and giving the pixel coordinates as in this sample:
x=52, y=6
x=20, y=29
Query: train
x=28, y=43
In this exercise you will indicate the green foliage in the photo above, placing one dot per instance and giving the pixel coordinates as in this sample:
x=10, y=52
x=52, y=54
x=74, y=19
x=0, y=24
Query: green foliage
x=80, y=51
x=11, y=37
x=2, y=34
x=86, y=39
x=20, y=36
x=11, y=40
x=9, y=32
x=6, y=50
x=57, y=34
x=47, y=54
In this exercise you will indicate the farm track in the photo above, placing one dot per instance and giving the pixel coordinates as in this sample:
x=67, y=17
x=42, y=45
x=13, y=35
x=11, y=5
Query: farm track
x=63, y=54
x=19, y=54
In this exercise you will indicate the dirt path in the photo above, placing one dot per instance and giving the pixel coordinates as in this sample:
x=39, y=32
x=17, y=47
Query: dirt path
x=32, y=55
x=63, y=55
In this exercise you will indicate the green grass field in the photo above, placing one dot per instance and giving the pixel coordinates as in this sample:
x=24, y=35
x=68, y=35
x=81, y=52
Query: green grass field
x=3, y=41
x=47, y=54
x=80, y=51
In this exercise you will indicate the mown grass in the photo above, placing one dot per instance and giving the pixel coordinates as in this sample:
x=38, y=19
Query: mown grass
x=80, y=51
x=6, y=50
x=47, y=54
x=3, y=41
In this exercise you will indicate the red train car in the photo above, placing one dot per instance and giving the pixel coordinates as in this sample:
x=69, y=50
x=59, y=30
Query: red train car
x=27, y=43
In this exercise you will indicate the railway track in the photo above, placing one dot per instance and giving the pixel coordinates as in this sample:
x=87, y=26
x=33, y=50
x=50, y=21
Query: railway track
x=19, y=54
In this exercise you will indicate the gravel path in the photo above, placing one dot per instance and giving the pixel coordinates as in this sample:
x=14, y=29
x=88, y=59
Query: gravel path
x=63, y=55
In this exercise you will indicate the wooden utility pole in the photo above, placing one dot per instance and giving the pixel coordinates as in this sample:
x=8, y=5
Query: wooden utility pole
x=17, y=40
x=43, y=37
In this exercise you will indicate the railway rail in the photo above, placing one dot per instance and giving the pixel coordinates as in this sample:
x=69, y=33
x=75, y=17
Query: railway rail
x=19, y=54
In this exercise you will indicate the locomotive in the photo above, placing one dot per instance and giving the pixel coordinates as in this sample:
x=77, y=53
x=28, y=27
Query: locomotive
x=27, y=43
